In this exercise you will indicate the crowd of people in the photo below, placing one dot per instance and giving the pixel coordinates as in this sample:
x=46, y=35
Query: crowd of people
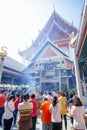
x=22, y=110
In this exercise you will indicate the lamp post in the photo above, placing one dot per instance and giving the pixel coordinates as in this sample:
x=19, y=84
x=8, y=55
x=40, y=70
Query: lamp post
x=1, y=67
x=3, y=53
x=59, y=80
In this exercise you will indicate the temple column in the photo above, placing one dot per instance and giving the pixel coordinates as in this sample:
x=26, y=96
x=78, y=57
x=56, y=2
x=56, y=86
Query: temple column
x=67, y=83
x=83, y=82
x=78, y=82
x=40, y=82
x=60, y=81
x=12, y=83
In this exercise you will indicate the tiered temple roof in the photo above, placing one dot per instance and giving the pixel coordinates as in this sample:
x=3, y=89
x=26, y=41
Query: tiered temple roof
x=56, y=29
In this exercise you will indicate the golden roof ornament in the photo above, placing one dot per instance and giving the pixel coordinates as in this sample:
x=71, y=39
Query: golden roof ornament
x=73, y=39
x=3, y=52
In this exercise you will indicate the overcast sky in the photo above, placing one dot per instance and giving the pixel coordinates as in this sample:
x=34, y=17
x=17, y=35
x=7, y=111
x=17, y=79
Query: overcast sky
x=21, y=20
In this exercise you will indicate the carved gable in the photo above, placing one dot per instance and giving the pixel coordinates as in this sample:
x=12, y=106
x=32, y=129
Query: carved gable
x=49, y=53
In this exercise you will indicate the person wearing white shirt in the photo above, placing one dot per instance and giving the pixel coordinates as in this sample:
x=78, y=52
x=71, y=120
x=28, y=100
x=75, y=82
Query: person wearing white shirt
x=78, y=113
x=8, y=114
x=55, y=109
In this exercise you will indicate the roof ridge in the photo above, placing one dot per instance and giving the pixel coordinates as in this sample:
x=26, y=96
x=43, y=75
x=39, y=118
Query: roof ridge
x=64, y=20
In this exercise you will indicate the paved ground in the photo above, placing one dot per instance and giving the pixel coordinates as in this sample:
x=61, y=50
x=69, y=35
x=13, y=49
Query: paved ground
x=39, y=126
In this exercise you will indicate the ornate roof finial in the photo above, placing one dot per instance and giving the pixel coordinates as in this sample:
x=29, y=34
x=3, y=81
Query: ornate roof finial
x=54, y=7
x=39, y=30
x=26, y=47
x=32, y=40
x=53, y=11
x=72, y=23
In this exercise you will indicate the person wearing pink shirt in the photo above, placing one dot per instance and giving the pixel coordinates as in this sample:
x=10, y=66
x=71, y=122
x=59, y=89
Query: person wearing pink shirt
x=34, y=112
x=78, y=113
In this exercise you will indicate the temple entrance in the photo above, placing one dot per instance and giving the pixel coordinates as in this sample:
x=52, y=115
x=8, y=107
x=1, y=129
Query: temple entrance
x=49, y=87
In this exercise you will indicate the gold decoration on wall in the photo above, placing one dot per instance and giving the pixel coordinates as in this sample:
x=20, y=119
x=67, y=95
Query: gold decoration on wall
x=73, y=39
x=3, y=52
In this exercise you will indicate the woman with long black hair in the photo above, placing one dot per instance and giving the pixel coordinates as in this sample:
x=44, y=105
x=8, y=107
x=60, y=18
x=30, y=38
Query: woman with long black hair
x=55, y=109
x=8, y=114
x=78, y=113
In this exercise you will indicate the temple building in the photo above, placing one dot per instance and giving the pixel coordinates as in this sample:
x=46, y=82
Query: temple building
x=50, y=58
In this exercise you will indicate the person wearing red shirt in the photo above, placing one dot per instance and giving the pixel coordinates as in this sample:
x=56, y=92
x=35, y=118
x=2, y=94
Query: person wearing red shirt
x=16, y=102
x=2, y=101
x=34, y=112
